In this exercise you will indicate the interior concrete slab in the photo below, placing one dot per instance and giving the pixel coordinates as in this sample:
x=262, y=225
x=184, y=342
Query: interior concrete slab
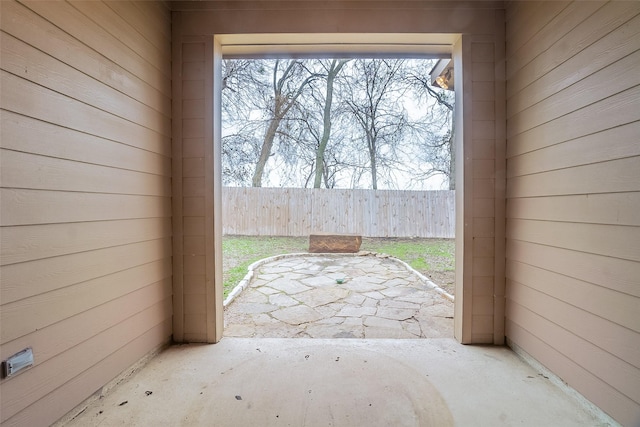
x=336, y=382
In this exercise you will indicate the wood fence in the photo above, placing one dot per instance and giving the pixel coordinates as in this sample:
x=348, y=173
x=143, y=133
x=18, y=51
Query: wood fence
x=370, y=213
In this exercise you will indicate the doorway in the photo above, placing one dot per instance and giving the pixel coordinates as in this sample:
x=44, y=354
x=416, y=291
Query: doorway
x=479, y=128
x=411, y=46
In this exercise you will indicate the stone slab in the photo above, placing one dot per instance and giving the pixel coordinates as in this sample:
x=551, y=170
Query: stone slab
x=355, y=311
x=320, y=296
x=282, y=300
x=395, y=313
x=252, y=307
x=297, y=315
x=382, y=323
x=287, y=286
x=319, y=281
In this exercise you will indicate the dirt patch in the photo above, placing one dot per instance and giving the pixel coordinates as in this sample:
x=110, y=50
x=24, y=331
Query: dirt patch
x=444, y=279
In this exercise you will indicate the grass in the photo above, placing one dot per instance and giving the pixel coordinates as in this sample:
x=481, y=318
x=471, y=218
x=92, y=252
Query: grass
x=421, y=254
x=239, y=252
x=432, y=257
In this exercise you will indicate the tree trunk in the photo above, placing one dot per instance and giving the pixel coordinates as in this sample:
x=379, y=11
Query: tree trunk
x=372, y=159
x=265, y=152
x=326, y=133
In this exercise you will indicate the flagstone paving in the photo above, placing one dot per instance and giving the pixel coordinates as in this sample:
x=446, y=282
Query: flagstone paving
x=301, y=297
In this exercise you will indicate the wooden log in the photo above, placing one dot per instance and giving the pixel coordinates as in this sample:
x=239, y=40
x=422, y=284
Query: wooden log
x=334, y=243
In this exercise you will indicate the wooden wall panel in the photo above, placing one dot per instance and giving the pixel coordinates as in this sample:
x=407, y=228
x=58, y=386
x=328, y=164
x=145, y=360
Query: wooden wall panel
x=600, y=239
x=18, y=58
x=27, y=279
x=573, y=373
x=197, y=262
x=87, y=26
x=589, y=297
x=29, y=243
x=580, y=94
x=28, y=171
x=607, y=177
x=265, y=17
x=604, y=52
x=56, y=338
x=573, y=196
x=584, y=150
x=587, y=32
x=581, y=326
x=56, y=108
x=610, y=273
x=42, y=34
x=156, y=18
x=151, y=22
x=127, y=32
x=45, y=378
x=55, y=405
x=546, y=31
x=85, y=249
x=613, y=111
x=526, y=21
x=21, y=317
x=23, y=207
x=25, y=134
x=602, y=208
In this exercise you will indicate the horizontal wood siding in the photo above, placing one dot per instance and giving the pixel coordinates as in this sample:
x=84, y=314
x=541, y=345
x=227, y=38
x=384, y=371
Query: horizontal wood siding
x=573, y=195
x=371, y=213
x=85, y=244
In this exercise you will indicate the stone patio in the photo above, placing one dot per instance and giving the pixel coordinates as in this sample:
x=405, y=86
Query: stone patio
x=339, y=296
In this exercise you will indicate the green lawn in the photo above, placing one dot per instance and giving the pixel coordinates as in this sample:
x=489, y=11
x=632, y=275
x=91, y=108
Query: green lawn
x=239, y=252
x=432, y=257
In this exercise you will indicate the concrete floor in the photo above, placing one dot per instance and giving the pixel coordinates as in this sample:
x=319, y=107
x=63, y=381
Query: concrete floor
x=336, y=382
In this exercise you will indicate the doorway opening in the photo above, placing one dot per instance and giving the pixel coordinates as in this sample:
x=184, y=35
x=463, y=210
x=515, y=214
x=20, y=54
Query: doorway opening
x=302, y=126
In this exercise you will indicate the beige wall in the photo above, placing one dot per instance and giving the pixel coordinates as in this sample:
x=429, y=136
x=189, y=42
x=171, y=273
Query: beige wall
x=573, y=227
x=85, y=213
x=480, y=187
x=480, y=229
x=197, y=315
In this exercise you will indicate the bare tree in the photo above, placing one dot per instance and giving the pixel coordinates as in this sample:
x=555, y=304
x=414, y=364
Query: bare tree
x=286, y=91
x=358, y=123
x=374, y=101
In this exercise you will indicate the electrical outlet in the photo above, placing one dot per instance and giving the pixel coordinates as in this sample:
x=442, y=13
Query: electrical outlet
x=18, y=362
